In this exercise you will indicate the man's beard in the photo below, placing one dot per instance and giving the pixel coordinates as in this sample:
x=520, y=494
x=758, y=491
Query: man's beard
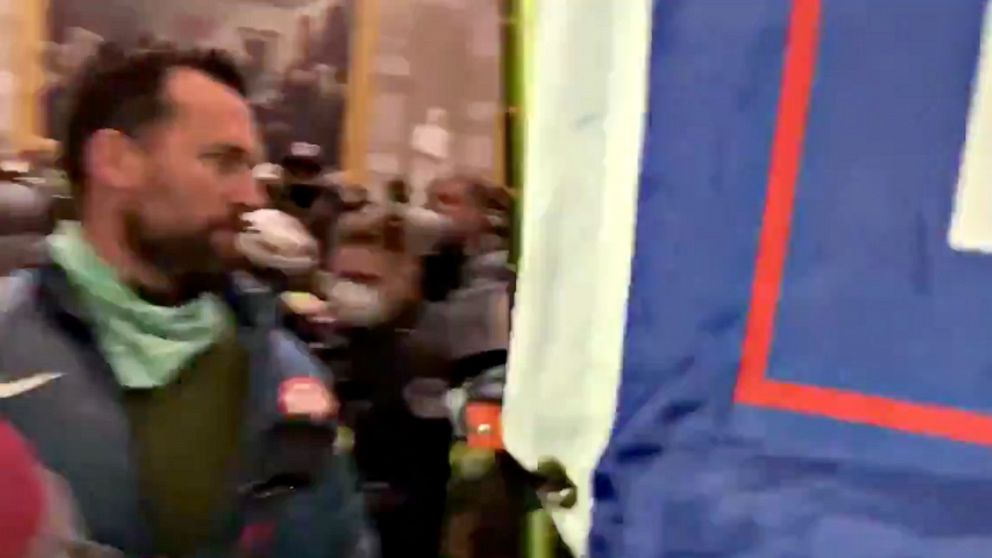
x=190, y=261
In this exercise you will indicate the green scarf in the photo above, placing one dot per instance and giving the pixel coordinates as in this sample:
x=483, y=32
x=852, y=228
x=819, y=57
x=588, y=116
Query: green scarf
x=146, y=345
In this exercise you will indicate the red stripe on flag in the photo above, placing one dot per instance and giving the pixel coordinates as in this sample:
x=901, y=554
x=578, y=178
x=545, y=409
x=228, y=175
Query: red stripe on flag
x=753, y=387
x=849, y=406
x=773, y=245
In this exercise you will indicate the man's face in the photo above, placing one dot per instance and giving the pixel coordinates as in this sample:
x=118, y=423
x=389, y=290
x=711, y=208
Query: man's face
x=372, y=284
x=452, y=199
x=197, y=178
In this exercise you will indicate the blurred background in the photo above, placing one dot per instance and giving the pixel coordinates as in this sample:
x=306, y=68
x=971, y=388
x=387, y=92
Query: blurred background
x=412, y=88
x=360, y=103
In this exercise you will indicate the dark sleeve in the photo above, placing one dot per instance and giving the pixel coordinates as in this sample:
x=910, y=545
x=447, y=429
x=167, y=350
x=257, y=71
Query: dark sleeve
x=357, y=538
x=329, y=520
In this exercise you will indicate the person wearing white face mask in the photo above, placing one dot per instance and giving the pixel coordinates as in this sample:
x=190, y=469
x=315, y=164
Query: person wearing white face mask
x=404, y=349
x=388, y=340
x=372, y=271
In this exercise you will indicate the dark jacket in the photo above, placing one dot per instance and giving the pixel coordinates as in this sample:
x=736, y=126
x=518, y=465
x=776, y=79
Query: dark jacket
x=402, y=458
x=289, y=478
x=24, y=222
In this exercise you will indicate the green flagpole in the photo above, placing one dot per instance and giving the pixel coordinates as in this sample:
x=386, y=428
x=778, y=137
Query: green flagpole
x=518, y=45
x=540, y=535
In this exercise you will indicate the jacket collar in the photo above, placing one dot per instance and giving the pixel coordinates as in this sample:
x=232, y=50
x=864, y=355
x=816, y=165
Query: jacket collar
x=251, y=302
x=58, y=299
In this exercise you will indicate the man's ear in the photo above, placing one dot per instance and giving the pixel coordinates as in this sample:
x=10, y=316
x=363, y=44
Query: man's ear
x=113, y=159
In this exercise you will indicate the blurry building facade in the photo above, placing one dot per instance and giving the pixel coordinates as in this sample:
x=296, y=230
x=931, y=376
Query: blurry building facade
x=436, y=103
x=294, y=53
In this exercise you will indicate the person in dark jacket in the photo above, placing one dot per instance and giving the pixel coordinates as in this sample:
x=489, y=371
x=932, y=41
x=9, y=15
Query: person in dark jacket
x=390, y=345
x=142, y=367
x=471, y=279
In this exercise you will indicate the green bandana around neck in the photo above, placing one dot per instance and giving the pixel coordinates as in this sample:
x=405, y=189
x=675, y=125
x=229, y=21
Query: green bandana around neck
x=146, y=345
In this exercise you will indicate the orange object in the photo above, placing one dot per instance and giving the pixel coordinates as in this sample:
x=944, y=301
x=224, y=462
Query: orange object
x=485, y=429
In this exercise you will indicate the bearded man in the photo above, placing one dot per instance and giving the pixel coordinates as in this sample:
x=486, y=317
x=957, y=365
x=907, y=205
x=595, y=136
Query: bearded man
x=140, y=368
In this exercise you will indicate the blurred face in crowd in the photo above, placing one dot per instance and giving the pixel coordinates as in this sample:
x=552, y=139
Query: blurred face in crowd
x=187, y=181
x=372, y=284
x=453, y=199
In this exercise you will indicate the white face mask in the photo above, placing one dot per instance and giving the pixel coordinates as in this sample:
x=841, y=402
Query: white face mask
x=357, y=304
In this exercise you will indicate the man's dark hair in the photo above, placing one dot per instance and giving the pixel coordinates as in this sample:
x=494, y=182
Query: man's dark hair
x=126, y=94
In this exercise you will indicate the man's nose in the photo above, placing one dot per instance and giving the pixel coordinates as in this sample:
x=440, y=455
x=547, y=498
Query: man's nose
x=250, y=193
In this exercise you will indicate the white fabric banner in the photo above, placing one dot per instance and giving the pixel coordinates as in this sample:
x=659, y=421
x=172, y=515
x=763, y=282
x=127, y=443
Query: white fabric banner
x=586, y=97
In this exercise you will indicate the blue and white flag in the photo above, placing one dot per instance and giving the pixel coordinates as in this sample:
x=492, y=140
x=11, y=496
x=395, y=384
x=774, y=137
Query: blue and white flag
x=754, y=315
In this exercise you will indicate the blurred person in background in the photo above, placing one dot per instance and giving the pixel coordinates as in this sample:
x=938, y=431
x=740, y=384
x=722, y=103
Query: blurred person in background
x=398, y=356
x=328, y=112
x=479, y=211
x=476, y=248
x=141, y=369
x=307, y=192
x=333, y=47
x=25, y=219
x=473, y=284
x=390, y=340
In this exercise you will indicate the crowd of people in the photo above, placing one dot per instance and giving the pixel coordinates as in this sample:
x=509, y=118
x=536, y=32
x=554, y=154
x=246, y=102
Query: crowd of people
x=218, y=356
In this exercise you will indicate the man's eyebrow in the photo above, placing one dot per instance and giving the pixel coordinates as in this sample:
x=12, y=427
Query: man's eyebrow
x=232, y=150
